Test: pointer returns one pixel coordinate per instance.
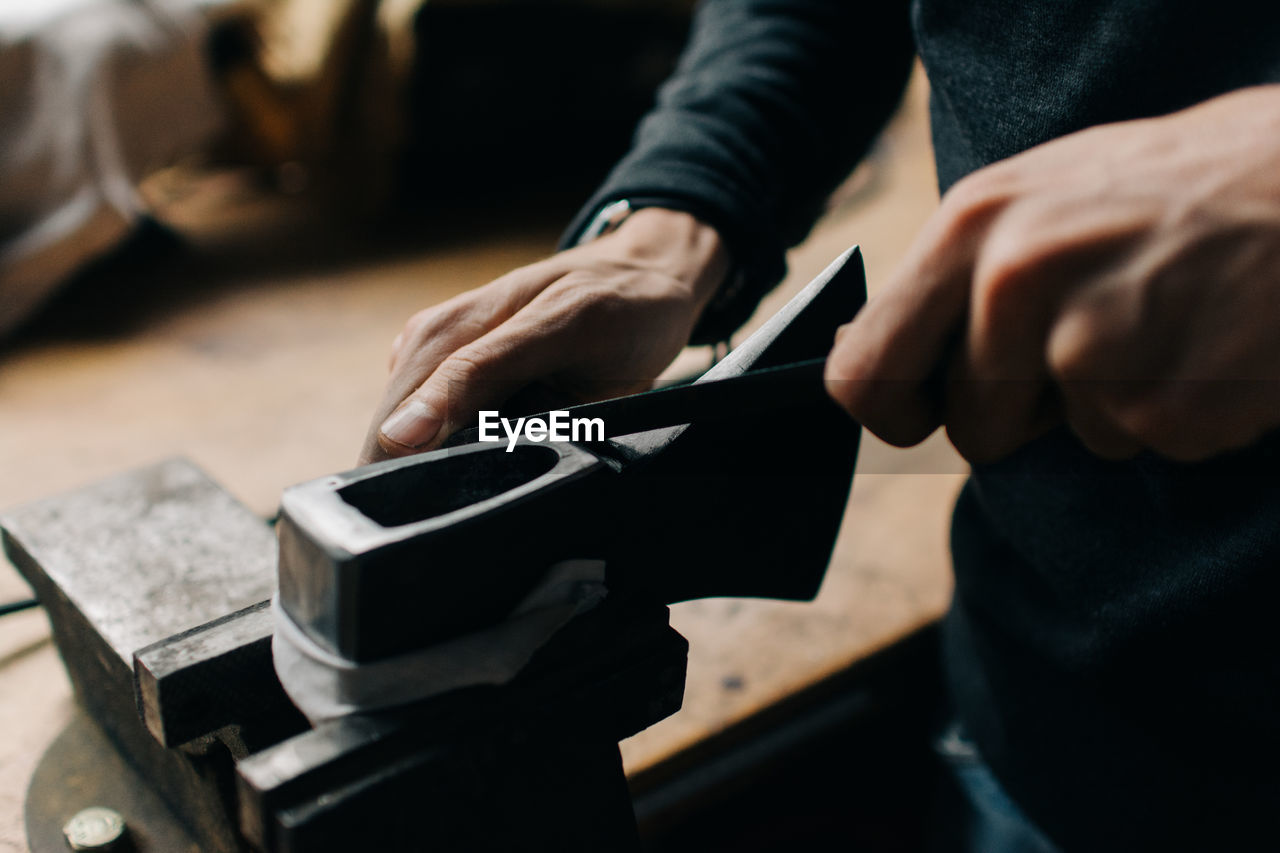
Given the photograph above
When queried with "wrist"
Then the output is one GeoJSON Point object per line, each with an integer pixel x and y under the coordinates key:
{"type": "Point", "coordinates": [678, 244]}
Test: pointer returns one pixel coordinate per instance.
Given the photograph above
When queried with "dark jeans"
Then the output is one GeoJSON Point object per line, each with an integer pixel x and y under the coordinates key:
{"type": "Point", "coordinates": [989, 821]}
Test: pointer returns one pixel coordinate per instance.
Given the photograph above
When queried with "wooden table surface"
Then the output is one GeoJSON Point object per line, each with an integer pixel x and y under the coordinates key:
{"type": "Point", "coordinates": [262, 364]}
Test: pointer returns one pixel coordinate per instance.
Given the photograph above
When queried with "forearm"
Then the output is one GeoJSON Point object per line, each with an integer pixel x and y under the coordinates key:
{"type": "Point", "coordinates": [772, 105]}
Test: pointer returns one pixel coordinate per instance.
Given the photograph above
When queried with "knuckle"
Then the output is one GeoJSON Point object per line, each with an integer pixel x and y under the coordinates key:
{"type": "Point", "coordinates": [459, 318]}
{"type": "Point", "coordinates": [415, 324]}
{"type": "Point", "coordinates": [975, 197]}
{"type": "Point", "coordinates": [1003, 275]}
{"type": "Point", "coordinates": [1017, 252]}
{"type": "Point", "coordinates": [1074, 351]}
{"type": "Point", "coordinates": [453, 383]}
{"type": "Point", "coordinates": [428, 322]}
{"type": "Point", "coordinates": [974, 191]}
{"type": "Point", "coordinates": [462, 368]}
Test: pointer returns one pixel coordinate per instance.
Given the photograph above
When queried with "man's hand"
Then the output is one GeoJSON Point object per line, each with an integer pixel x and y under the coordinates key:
{"type": "Point", "coordinates": [1125, 279]}
{"type": "Point", "coordinates": [592, 322]}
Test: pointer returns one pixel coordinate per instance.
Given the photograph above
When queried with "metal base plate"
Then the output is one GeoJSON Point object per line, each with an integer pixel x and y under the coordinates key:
{"type": "Point", "coordinates": [81, 768]}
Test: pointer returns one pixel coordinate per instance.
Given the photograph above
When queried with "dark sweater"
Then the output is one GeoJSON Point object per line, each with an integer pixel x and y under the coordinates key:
{"type": "Point", "coordinates": [1111, 646]}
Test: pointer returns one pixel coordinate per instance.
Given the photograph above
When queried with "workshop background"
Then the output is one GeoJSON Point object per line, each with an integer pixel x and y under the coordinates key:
{"type": "Point", "coordinates": [302, 176]}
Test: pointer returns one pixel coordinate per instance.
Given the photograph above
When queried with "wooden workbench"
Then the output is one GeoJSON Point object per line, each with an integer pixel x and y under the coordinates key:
{"type": "Point", "coordinates": [261, 352]}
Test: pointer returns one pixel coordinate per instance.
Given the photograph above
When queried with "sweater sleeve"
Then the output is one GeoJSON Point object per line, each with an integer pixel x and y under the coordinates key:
{"type": "Point", "coordinates": [771, 106]}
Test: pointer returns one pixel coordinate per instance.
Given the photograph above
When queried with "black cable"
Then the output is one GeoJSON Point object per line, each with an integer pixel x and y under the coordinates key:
{"type": "Point", "coordinates": [18, 606]}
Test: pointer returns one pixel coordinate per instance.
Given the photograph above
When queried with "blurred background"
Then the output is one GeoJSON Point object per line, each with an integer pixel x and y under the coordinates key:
{"type": "Point", "coordinates": [360, 111]}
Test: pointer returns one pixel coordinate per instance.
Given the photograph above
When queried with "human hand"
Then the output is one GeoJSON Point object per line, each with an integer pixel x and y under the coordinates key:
{"type": "Point", "coordinates": [592, 322]}
{"type": "Point", "coordinates": [1124, 279]}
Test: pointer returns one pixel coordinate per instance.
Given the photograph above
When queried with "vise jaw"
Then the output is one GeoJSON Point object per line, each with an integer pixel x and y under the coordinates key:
{"type": "Point", "coordinates": [141, 576]}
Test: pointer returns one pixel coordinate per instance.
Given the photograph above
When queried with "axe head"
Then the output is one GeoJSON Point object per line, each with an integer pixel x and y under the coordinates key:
{"type": "Point", "coordinates": [397, 555]}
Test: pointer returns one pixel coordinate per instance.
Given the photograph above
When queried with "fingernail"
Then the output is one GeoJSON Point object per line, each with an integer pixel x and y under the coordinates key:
{"type": "Point", "coordinates": [412, 425]}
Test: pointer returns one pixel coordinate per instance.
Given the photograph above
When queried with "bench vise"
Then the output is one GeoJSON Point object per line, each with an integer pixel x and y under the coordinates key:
{"type": "Point", "coordinates": [158, 586]}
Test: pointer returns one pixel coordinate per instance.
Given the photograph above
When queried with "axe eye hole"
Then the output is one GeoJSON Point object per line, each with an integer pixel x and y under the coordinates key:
{"type": "Point", "coordinates": [447, 483]}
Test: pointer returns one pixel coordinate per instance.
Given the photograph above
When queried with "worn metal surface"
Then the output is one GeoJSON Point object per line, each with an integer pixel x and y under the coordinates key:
{"type": "Point", "coordinates": [83, 768]}
{"type": "Point", "coordinates": [147, 554]}
{"type": "Point", "coordinates": [395, 556]}
{"type": "Point", "coordinates": [218, 675]}
{"type": "Point", "coordinates": [125, 563]}
{"type": "Point", "coordinates": [379, 554]}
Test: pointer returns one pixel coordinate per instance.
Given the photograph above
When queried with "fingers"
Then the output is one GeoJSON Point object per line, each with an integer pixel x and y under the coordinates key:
{"type": "Point", "coordinates": [958, 337]}
{"type": "Point", "coordinates": [1143, 322]}
{"type": "Point", "coordinates": [887, 364]}
{"type": "Point", "coordinates": [551, 333]}
{"type": "Point", "coordinates": [465, 382]}
{"type": "Point", "coordinates": [431, 336]}
{"type": "Point", "coordinates": [998, 395]}
{"type": "Point", "coordinates": [421, 348]}
{"type": "Point", "coordinates": [480, 375]}
{"type": "Point", "coordinates": [881, 366]}
{"type": "Point", "coordinates": [592, 322]}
